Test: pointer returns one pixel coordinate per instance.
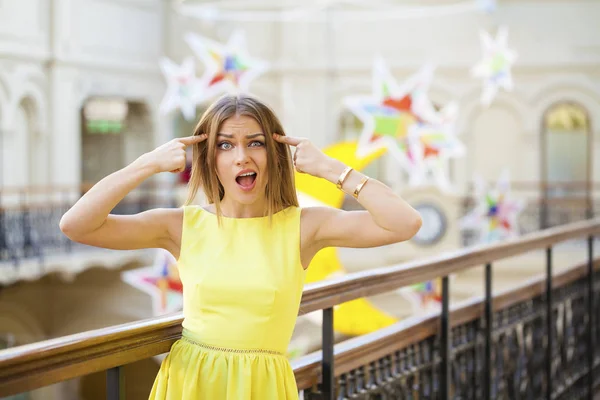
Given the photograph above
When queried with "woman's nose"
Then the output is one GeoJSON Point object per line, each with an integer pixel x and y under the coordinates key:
{"type": "Point", "coordinates": [241, 155]}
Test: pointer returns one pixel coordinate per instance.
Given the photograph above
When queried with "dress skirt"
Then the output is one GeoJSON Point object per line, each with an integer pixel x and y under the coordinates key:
{"type": "Point", "coordinates": [193, 370]}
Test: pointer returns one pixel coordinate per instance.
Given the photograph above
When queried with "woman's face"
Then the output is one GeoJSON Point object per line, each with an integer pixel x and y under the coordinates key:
{"type": "Point", "coordinates": [241, 159]}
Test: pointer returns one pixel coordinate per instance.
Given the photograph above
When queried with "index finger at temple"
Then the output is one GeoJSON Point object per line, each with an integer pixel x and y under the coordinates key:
{"type": "Point", "coordinates": [292, 141]}
{"type": "Point", "coordinates": [193, 139]}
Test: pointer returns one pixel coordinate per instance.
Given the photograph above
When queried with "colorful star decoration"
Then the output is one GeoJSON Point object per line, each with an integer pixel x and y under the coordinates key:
{"type": "Point", "coordinates": [423, 297]}
{"type": "Point", "coordinates": [405, 121]}
{"type": "Point", "coordinates": [184, 90]}
{"type": "Point", "coordinates": [495, 214]}
{"type": "Point", "coordinates": [429, 292]}
{"type": "Point", "coordinates": [229, 68]}
{"type": "Point", "coordinates": [161, 281]}
{"type": "Point", "coordinates": [432, 145]}
{"type": "Point", "coordinates": [495, 66]}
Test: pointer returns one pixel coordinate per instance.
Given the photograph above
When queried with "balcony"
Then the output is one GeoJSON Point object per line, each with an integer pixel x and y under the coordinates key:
{"type": "Point", "coordinates": [535, 340]}
{"type": "Point", "coordinates": [32, 245]}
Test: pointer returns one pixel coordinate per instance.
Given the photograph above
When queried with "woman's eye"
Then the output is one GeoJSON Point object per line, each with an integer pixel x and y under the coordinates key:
{"type": "Point", "coordinates": [256, 143]}
{"type": "Point", "coordinates": [225, 145]}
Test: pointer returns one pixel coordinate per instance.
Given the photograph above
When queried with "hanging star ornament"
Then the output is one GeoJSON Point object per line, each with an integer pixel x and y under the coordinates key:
{"type": "Point", "coordinates": [496, 213]}
{"type": "Point", "coordinates": [161, 281]}
{"type": "Point", "coordinates": [432, 145]}
{"type": "Point", "coordinates": [389, 114]}
{"type": "Point", "coordinates": [228, 68]}
{"type": "Point", "coordinates": [428, 291]}
{"type": "Point", "coordinates": [402, 119]}
{"type": "Point", "coordinates": [423, 297]}
{"type": "Point", "coordinates": [184, 89]}
{"type": "Point", "coordinates": [495, 66]}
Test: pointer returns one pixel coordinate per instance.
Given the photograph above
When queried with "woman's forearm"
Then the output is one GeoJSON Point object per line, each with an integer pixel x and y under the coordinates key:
{"type": "Point", "coordinates": [91, 210]}
{"type": "Point", "coordinates": [387, 209]}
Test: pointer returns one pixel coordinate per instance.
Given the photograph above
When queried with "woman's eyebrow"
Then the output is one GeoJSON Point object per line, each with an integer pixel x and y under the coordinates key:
{"type": "Point", "coordinates": [251, 136]}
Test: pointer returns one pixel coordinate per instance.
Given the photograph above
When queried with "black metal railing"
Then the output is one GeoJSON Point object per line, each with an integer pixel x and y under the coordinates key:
{"type": "Point", "coordinates": [535, 341]}
{"type": "Point", "coordinates": [540, 347]}
{"type": "Point", "coordinates": [517, 359]}
{"type": "Point", "coordinates": [29, 223]}
{"type": "Point", "coordinates": [410, 373]}
{"type": "Point", "coordinates": [29, 217]}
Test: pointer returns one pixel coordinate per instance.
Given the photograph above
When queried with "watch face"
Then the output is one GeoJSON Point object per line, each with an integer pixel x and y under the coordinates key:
{"type": "Point", "coordinates": [434, 224]}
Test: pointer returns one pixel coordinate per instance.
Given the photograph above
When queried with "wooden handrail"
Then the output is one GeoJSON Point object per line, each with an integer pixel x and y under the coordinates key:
{"type": "Point", "coordinates": [328, 293]}
{"type": "Point", "coordinates": [39, 364]}
{"type": "Point", "coordinates": [362, 350]}
{"type": "Point", "coordinates": [35, 365]}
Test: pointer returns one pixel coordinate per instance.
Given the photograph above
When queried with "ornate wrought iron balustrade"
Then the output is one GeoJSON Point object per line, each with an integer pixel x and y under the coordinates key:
{"type": "Point", "coordinates": [531, 342]}
{"type": "Point", "coordinates": [29, 217]}
{"type": "Point", "coordinates": [29, 223]}
{"type": "Point", "coordinates": [519, 364]}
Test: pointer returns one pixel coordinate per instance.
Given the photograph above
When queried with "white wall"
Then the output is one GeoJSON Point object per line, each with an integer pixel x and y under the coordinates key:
{"type": "Point", "coordinates": [57, 57]}
{"type": "Point", "coordinates": [559, 58]}
{"type": "Point", "coordinates": [24, 29]}
{"type": "Point", "coordinates": [124, 34]}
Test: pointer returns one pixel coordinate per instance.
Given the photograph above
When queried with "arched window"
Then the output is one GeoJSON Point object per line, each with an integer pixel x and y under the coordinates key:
{"type": "Point", "coordinates": [566, 157]}
{"type": "Point", "coordinates": [37, 146]}
{"type": "Point", "coordinates": [566, 148]}
{"type": "Point", "coordinates": [103, 121]}
{"type": "Point", "coordinates": [16, 153]}
{"type": "Point", "coordinates": [115, 132]}
{"type": "Point", "coordinates": [3, 162]}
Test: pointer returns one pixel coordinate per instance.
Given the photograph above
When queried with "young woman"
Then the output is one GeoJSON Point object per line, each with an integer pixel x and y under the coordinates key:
{"type": "Point", "coordinates": [242, 258]}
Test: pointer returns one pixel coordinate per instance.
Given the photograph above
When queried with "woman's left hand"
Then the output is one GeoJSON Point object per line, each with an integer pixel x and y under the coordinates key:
{"type": "Point", "coordinates": [308, 158]}
{"type": "Point", "coordinates": [387, 218]}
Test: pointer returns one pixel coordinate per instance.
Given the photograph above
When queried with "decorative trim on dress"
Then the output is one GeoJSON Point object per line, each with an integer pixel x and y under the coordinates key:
{"type": "Point", "coordinates": [230, 350]}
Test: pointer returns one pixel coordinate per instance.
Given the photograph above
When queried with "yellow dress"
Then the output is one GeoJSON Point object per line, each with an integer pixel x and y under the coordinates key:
{"type": "Point", "coordinates": [242, 285]}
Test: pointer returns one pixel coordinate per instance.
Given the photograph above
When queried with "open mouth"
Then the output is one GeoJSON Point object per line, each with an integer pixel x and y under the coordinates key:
{"type": "Point", "coordinates": [246, 180]}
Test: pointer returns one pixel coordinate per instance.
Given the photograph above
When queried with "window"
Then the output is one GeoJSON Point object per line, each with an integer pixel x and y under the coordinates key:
{"type": "Point", "coordinates": [105, 115]}
{"type": "Point", "coordinates": [566, 150]}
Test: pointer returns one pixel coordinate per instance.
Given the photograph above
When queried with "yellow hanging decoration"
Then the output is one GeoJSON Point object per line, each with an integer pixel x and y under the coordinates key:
{"type": "Point", "coordinates": [357, 317]}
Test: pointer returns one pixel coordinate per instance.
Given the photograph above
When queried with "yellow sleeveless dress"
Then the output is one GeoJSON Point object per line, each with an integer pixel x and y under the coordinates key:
{"type": "Point", "coordinates": [242, 285]}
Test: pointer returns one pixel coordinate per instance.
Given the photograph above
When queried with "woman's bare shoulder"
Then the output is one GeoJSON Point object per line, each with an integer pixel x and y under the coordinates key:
{"type": "Point", "coordinates": [173, 217]}
{"type": "Point", "coordinates": [311, 218]}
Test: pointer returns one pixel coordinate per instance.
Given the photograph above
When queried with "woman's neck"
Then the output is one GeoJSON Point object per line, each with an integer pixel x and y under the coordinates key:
{"type": "Point", "coordinates": [235, 209]}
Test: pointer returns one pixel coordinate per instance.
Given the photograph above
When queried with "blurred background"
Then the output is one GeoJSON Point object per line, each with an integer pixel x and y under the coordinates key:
{"type": "Point", "coordinates": [481, 114]}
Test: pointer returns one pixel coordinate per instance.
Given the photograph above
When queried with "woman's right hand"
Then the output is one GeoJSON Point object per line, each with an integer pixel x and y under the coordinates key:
{"type": "Point", "coordinates": [89, 221]}
{"type": "Point", "coordinates": [171, 156]}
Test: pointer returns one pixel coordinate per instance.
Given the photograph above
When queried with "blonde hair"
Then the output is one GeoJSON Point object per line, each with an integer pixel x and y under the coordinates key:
{"type": "Point", "coordinates": [280, 191]}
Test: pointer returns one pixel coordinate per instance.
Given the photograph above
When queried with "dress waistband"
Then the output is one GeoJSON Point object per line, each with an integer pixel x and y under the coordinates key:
{"type": "Point", "coordinates": [191, 338]}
